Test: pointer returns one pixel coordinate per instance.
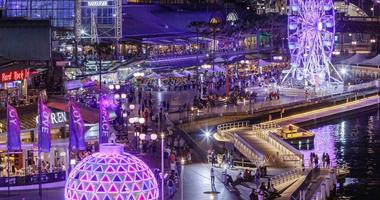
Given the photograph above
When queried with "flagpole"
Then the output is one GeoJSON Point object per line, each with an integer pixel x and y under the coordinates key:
{"type": "Point", "coordinates": [39, 173]}
{"type": "Point", "coordinates": [69, 167]}
{"type": "Point", "coordinates": [9, 184]}
{"type": "Point", "coordinates": [39, 150]}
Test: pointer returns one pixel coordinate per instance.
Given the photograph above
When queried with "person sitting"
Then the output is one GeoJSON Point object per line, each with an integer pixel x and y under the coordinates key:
{"type": "Point", "coordinates": [247, 175]}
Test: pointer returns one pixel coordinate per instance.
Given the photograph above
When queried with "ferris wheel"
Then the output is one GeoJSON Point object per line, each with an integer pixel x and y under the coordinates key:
{"type": "Point", "coordinates": [311, 29]}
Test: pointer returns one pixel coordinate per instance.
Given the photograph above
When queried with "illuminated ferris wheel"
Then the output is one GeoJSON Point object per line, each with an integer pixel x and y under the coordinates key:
{"type": "Point", "coordinates": [311, 29]}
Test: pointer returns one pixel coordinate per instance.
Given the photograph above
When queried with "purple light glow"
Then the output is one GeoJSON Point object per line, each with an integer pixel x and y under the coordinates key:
{"type": "Point", "coordinates": [324, 142]}
{"type": "Point", "coordinates": [111, 174]}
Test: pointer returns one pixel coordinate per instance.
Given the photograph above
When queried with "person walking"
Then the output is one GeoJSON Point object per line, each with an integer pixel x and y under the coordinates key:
{"type": "Point", "coordinates": [212, 176]}
{"type": "Point", "coordinates": [171, 188]}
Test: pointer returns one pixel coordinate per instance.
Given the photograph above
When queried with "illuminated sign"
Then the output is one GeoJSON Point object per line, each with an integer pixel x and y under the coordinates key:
{"type": "Point", "coordinates": [17, 75]}
{"type": "Point", "coordinates": [97, 3]}
{"type": "Point", "coordinates": [57, 118]}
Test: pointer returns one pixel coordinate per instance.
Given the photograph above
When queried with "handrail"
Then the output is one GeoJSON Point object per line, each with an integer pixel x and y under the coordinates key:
{"type": "Point", "coordinates": [248, 151]}
{"type": "Point", "coordinates": [312, 174]}
{"type": "Point", "coordinates": [286, 149]}
{"type": "Point", "coordinates": [228, 126]}
{"type": "Point", "coordinates": [286, 176]}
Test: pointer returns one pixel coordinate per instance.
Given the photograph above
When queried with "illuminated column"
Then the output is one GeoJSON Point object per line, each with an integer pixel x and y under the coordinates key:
{"type": "Point", "coordinates": [51, 156]}
{"type": "Point", "coordinates": [25, 88]}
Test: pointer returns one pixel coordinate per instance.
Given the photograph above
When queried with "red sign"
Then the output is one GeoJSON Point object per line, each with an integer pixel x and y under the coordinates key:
{"type": "Point", "coordinates": [17, 75]}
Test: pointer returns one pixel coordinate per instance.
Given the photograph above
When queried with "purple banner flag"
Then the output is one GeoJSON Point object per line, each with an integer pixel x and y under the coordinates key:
{"type": "Point", "coordinates": [13, 129]}
{"type": "Point", "coordinates": [44, 127]}
{"type": "Point", "coordinates": [76, 129]}
{"type": "Point", "coordinates": [104, 126]}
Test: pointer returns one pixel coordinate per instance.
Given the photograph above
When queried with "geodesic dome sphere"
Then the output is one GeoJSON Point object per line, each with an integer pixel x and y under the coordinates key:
{"type": "Point", "coordinates": [111, 174]}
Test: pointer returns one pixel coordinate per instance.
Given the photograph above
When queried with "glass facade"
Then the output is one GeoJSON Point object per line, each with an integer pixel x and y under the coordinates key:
{"type": "Point", "coordinates": [61, 12]}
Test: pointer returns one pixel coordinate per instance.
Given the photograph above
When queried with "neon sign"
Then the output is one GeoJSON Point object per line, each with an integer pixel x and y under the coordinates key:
{"type": "Point", "coordinates": [17, 75]}
{"type": "Point", "coordinates": [97, 3]}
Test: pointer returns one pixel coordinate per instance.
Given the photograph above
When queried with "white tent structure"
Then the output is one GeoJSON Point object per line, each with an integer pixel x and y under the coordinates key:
{"type": "Point", "coordinates": [219, 60]}
{"type": "Point", "coordinates": [186, 73]}
{"type": "Point", "coordinates": [263, 63]}
{"type": "Point", "coordinates": [153, 76]}
{"type": "Point", "coordinates": [353, 60]}
{"type": "Point", "coordinates": [175, 75]}
{"type": "Point", "coordinates": [375, 61]}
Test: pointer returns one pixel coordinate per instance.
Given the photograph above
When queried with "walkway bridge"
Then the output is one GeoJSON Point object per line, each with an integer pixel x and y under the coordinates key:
{"type": "Point", "coordinates": [260, 144]}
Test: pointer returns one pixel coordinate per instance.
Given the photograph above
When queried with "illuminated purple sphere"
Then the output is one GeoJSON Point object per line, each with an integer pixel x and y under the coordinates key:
{"type": "Point", "coordinates": [111, 174]}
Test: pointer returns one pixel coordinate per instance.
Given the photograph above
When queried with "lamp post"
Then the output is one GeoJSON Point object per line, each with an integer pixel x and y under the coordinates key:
{"type": "Point", "coordinates": [182, 174]}
{"type": "Point", "coordinates": [206, 67]}
{"type": "Point", "coordinates": [162, 165]}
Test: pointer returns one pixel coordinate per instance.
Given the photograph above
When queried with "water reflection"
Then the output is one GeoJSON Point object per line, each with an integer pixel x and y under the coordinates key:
{"type": "Point", "coordinates": [354, 141]}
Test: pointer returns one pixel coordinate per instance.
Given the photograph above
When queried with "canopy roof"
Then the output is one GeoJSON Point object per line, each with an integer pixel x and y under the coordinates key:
{"type": "Point", "coordinates": [375, 61]}
{"type": "Point", "coordinates": [353, 60]}
{"type": "Point", "coordinates": [263, 63]}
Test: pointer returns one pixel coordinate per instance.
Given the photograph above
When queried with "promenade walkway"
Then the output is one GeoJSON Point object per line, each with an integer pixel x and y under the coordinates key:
{"type": "Point", "coordinates": [328, 111]}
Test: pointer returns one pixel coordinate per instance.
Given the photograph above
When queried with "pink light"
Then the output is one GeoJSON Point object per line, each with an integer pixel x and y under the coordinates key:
{"type": "Point", "coordinates": [111, 171]}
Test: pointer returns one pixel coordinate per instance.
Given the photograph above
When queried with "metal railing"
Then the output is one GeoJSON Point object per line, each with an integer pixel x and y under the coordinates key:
{"type": "Point", "coordinates": [32, 179]}
{"type": "Point", "coordinates": [286, 151]}
{"type": "Point", "coordinates": [286, 177]}
{"type": "Point", "coordinates": [248, 151]}
{"type": "Point", "coordinates": [228, 126]}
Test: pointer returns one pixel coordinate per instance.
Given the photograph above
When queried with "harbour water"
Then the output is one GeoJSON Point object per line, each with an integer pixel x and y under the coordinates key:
{"type": "Point", "coordinates": [353, 141]}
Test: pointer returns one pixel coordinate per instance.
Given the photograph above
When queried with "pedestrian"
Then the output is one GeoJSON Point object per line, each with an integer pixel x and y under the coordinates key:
{"type": "Point", "coordinates": [212, 176]}
{"type": "Point", "coordinates": [170, 187]}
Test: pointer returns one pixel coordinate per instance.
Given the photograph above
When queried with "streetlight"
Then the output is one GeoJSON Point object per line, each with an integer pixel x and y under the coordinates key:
{"type": "Point", "coordinates": [162, 165]}
{"type": "Point", "coordinates": [111, 87]}
{"type": "Point", "coordinates": [117, 86]}
{"type": "Point", "coordinates": [131, 107]}
{"type": "Point", "coordinates": [182, 173]}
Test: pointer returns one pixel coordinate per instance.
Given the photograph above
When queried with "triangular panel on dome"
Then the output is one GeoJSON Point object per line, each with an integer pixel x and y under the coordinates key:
{"type": "Point", "coordinates": [105, 179]}
{"type": "Point", "coordinates": [101, 161]}
{"type": "Point", "coordinates": [77, 175]}
{"type": "Point", "coordinates": [84, 177]}
{"type": "Point", "coordinates": [72, 185]}
{"type": "Point", "coordinates": [75, 196]}
{"type": "Point", "coordinates": [112, 161]}
{"type": "Point", "coordinates": [145, 176]}
{"type": "Point", "coordinates": [128, 178]}
{"type": "Point", "coordinates": [89, 168]}
{"type": "Point", "coordinates": [121, 169]}
{"type": "Point", "coordinates": [124, 162]}
{"type": "Point", "coordinates": [131, 161]}
{"type": "Point", "coordinates": [81, 168]}
{"type": "Point", "coordinates": [80, 187]}
{"type": "Point", "coordinates": [101, 189]}
{"type": "Point", "coordinates": [131, 169]}
{"type": "Point", "coordinates": [107, 198]}
{"type": "Point", "coordinates": [131, 197]}
{"type": "Point", "coordinates": [94, 178]}
{"type": "Point", "coordinates": [119, 197]}
{"type": "Point", "coordinates": [142, 197]}
{"type": "Point", "coordinates": [145, 187]}
{"type": "Point", "coordinates": [113, 189]}
{"type": "Point", "coordinates": [95, 197]}
{"type": "Point", "coordinates": [116, 179]}
{"type": "Point", "coordinates": [90, 188]}
{"type": "Point", "coordinates": [125, 189]}
{"type": "Point", "coordinates": [84, 197]}
{"type": "Point", "coordinates": [137, 177]}
{"type": "Point", "coordinates": [136, 188]}
{"type": "Point", "coordinates": [68, 194]}
{"type": "Point", "coordinates": [99, 169]}
{"type": "Point", "coordinates": [110, 169]}
{"type": "Point", "coordinates": [150, 196]}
